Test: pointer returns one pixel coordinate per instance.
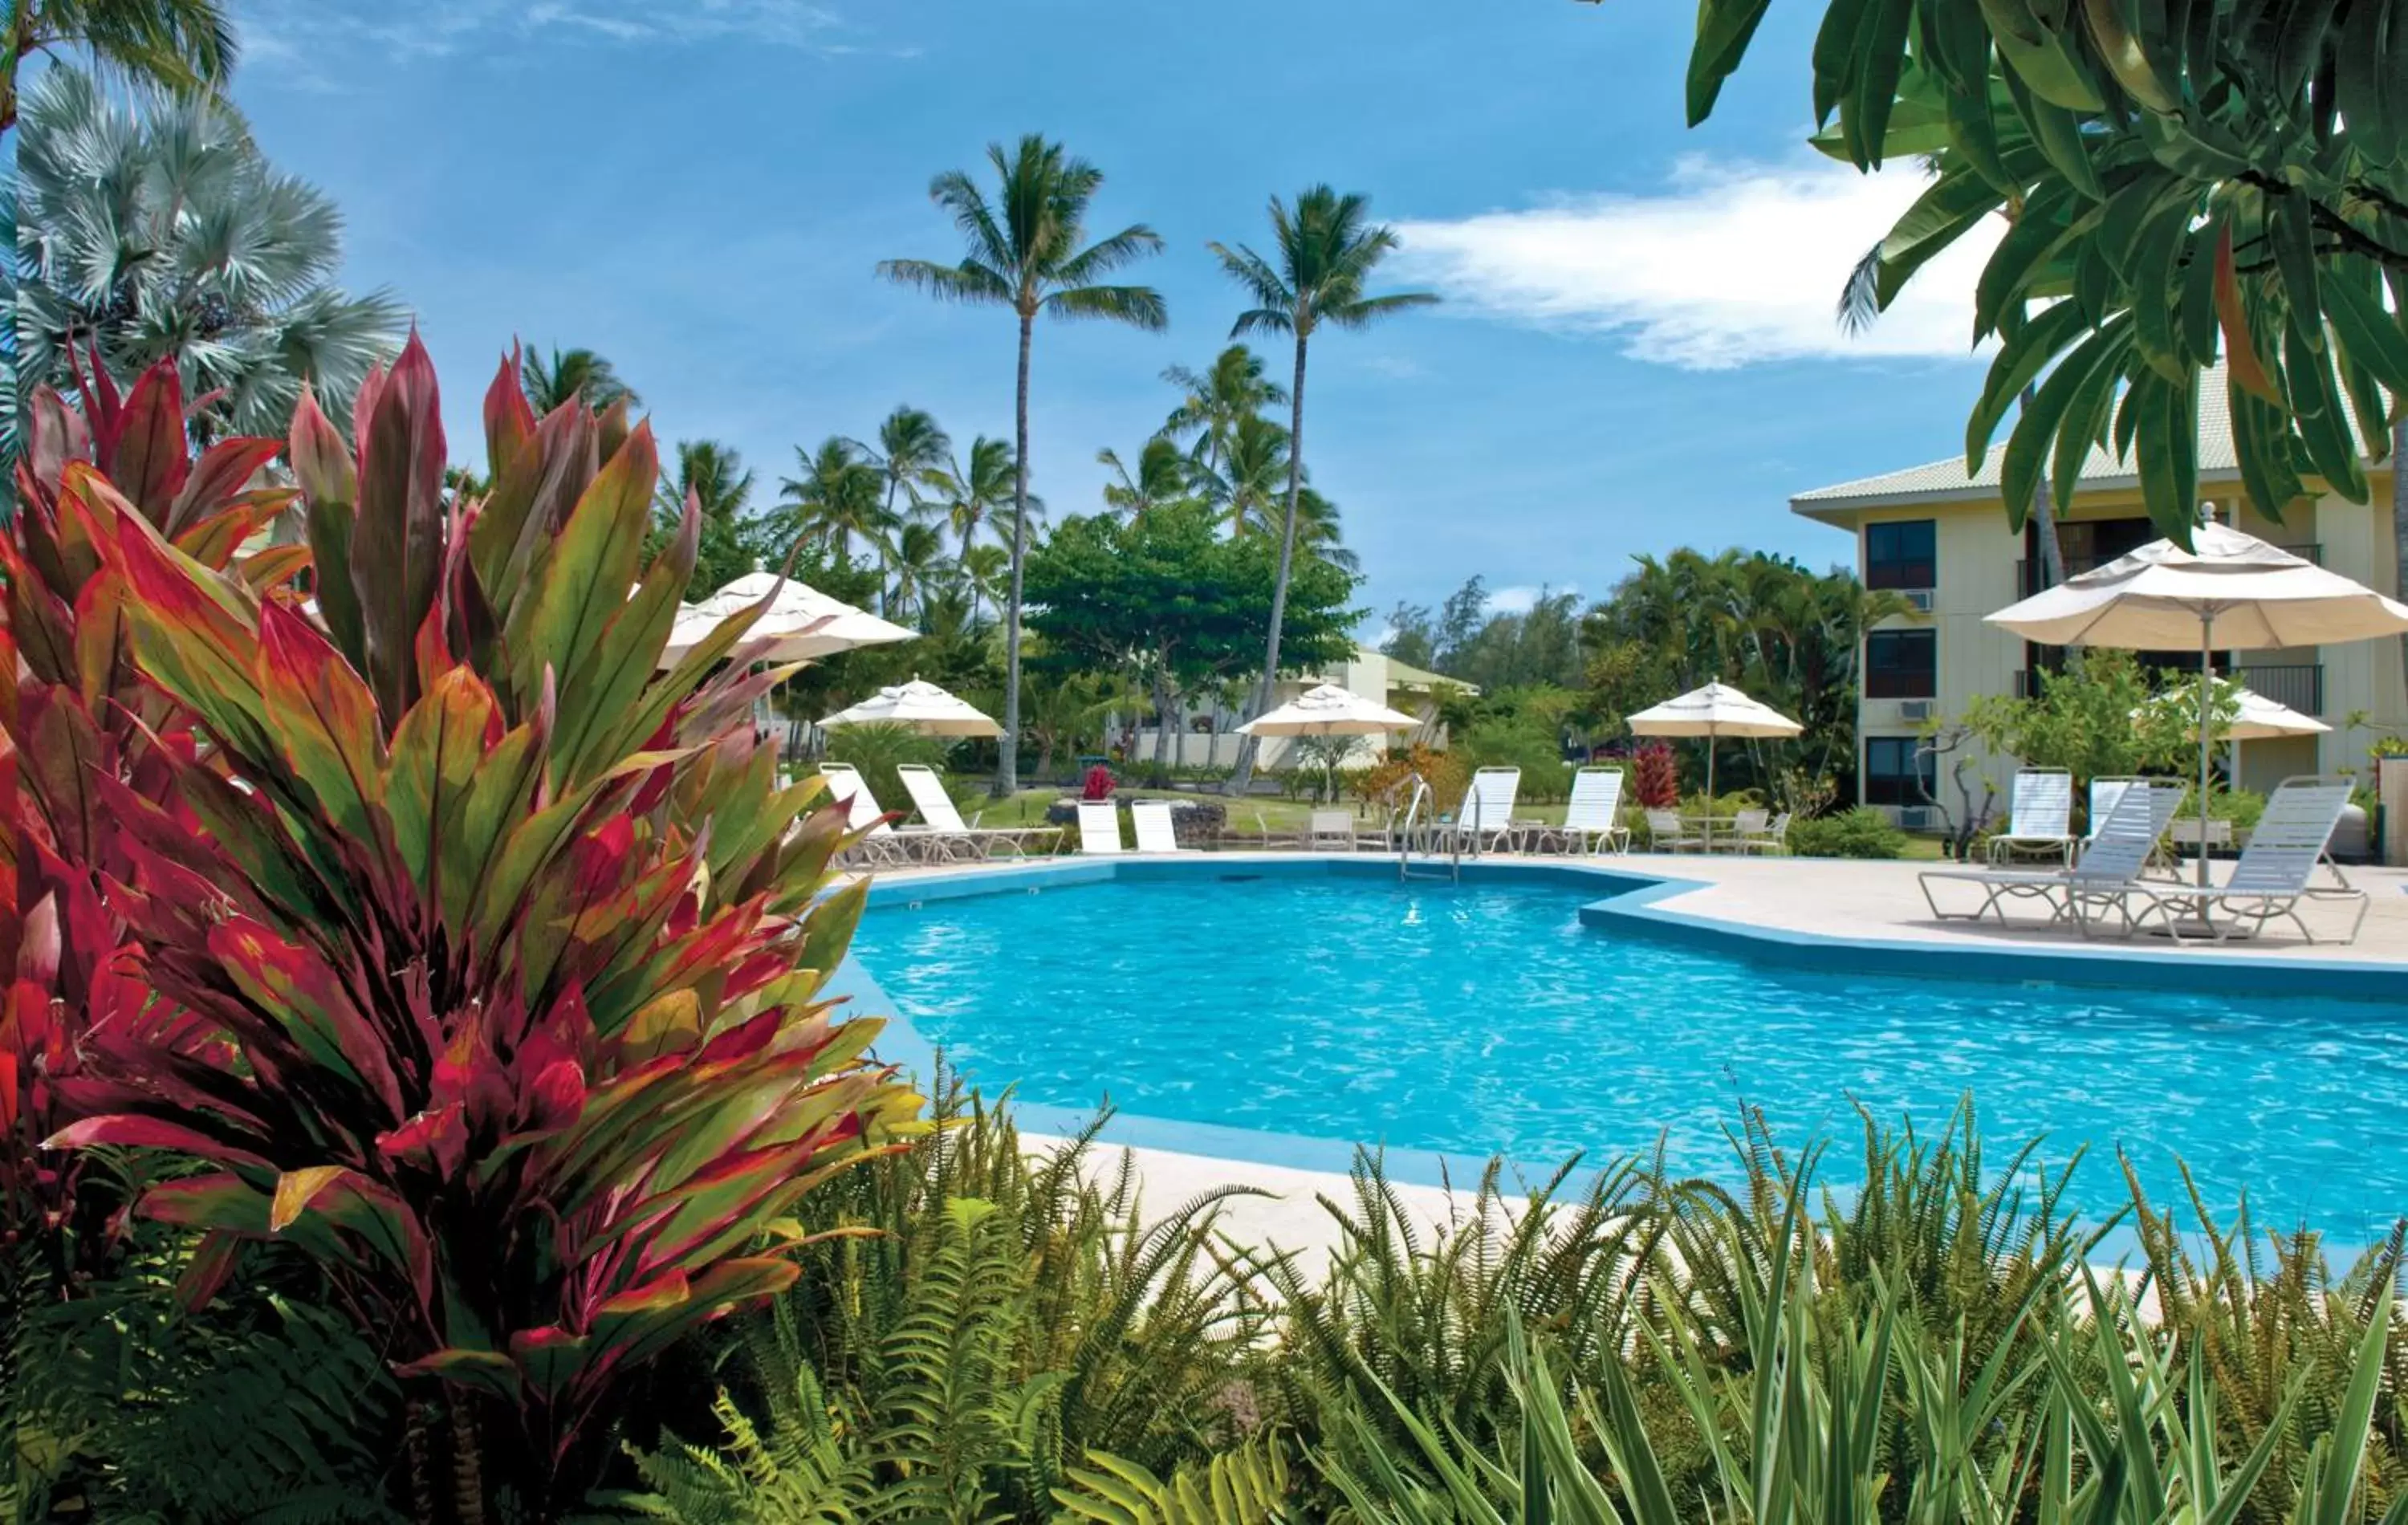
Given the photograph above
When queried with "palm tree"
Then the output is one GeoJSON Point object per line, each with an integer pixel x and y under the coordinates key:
{"type": "Point", "coordinates": [1318, 533]}
{"type": "Point", "coordinates": [1248, 487]}
{"type": "Point", "coordinates": [1025, 252]}
{"type": "Point", "coordinates": [1232, 388]}
{"type": "Point", "coordinates": [181, 47]}
{"type": "Point", "coordinates": [835, 499]}
{"type": "Point", "coordinates": [164, 233]}
{"type": "Point", "coordinates": [918, 564]}
{"type": "Point", "coordinates": [574, 373]}
{"type": "Point", "coordinates": [714, 475]}
{"type": "Point", "coordinates": [910, 450]}
{"type": "Point", "coordinates": [972, 495]}
{"type": "Point", "coordinates": [1164, 476]}
{"type": "Point", "coordinates": [1326, 250]}
{"type": "Point", "coordinates": [983, 570]}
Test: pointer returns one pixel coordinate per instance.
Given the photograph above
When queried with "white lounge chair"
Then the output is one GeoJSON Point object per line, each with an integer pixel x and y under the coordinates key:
{"type": "Point", "coordinates": [1667, 832]}
{"type": "Point", "coordinates": [1099, 827]}
{"type": "Point", "coordinates": [944, 824]}
{"type": "Point", "coordinates": [2111, 862]}
{"type": "Point", "coordinates": [1156, 831]}
{"type": "Point", "coordinates": [2040, 821]}
{"type": "Point", "coordinates": [1485, 821]}
{"type": "Point", "coordinates": [1331, 831]}
{"type": "Point", "coordinates": [1773, 837]}
{"type": "Point", "coordinates": [2268, 882]}
{"type": "Point", "coordinates": [884, 843]}
{"type": "Point", "coordinates": [1593, 820]}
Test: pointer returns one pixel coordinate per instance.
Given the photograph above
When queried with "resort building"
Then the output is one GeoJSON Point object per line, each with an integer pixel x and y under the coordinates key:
{"type": "Point", "coordinates": [1940, 537]}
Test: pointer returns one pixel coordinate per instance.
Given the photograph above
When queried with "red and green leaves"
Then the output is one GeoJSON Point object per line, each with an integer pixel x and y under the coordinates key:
{"type": "Point", "coordinates": [477, 958]}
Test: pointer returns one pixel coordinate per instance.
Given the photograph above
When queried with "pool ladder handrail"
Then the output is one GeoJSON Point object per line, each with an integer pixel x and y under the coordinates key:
{"type": "Point", "coordinates": [1413, 831]}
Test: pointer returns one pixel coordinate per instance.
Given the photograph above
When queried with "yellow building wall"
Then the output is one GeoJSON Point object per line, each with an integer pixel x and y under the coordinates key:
{"type": "Point", "coordinates": [1977, 556]}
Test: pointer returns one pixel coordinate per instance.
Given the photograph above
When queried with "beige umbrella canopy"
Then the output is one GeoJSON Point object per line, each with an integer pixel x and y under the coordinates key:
{"type": "Point", "coordinates": [1329, 710]}
{"type": "Point", "coordinates": [2229, 589]}
{"type": "Point", "coordinates": [804, 622]}
{"type": "Point", "coordinates": [2257, 719]}
{"type": "Point", "coordinates": [1713, 712]}
{"type": "Point", "coordinates": [918, 706]}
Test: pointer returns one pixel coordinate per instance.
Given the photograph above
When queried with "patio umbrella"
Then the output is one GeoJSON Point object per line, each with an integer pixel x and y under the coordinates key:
{"type": "Point", "coordinates": [2258, 718]}
{"type": "Point", "coordinates": [918, 706]}
{"type": "Point", "coordinates": [805, 622]}
{"type": "Point", "coordinates": [1329, 710]}
{"type": "Point", "coordinates": [1713, 712]}
{"type": "Point", "coordinates": [2229, 589]}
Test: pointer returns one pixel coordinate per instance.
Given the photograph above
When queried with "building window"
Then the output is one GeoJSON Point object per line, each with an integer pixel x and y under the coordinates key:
{"type": "Point", "coordinates": [1898, 771]}
{"type": "Point", "coordinates": [1900, 555]}
{"type": "Point", "coordinates": [1902, 665]}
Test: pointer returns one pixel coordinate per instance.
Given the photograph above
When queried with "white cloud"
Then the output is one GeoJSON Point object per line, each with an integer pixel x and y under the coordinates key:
{"type": "Point", "coordinates": [1731, 264]}
{"type": "Point", "coordinates": [1523, 597]}
{"type": "Point", "coordinates": [286, 31]}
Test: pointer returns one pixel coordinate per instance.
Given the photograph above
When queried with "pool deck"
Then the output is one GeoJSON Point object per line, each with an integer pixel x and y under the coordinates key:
{"type": "Point", "coordinates": [1832, 914]}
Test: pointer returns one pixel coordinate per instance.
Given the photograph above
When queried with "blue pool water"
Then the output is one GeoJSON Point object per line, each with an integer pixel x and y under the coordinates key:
{"type": "Point", "coordinates": [1477, 1019]}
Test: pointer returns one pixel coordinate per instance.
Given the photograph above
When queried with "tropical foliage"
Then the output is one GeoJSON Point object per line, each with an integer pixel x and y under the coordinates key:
{"type": "Point", "coordinates": [185, 46]}
{"type": "Point", "coordinates": [2184, 184]}
{"type": "Point", "coordinates": [162, 233]}
{"type": "Point", "coordinates": [455, 952]}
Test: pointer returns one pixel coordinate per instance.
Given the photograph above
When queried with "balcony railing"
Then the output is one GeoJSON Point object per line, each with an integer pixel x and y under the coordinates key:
{"type": "Point", "coordinates": [2028, 572]}
{"type": "Point", "coordinates": [2298, 684]}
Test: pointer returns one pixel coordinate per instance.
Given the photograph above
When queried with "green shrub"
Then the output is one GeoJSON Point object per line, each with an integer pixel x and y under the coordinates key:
{"type": "Point", "coordinates": [1861, 832]}
{"type": "Point", "coordinates": [876, 751]}
{"type": "Point", "coordinates": [1526, 745]}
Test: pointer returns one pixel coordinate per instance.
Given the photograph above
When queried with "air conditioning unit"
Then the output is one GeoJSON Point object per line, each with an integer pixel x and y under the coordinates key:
{"type": "Point", "coordinates": [1918, 710]}
{"type": "Point", "coordinates": [1919, 600]}
{"type": "Point", "coordinates": [1917, 818]}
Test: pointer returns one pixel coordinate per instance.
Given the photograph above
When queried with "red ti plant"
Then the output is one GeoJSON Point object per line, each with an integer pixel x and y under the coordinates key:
{"type": "Point", "coordinates": [74, 712]}
{"type": "Point", "coordinates": [1654, 776]}
{"type": "Point", "coordinates": [1098, 783]}
{"type": "Point", "coordinates": [497, 951]}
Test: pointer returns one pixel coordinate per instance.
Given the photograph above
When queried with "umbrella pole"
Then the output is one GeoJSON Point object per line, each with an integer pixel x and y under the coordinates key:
{"type": "Point", "coordinates": [2206, 732]}
{"type": "Point", "coordinates": [1710, 788]}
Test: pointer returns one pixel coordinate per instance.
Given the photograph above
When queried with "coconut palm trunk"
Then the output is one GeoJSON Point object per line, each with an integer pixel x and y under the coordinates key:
{"type": "Point", "coordinates": [1245, 774]}
{"type": "Point", "coordinates": [1007, 766]}
{"type": "Point", "coordinates": [2400, 521]}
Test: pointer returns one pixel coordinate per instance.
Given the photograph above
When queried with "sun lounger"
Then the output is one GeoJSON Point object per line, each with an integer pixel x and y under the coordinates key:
{"type": "Point", "coordinates": [2039, 822]}
{"type": "Point", "coordinates": [944, 824]}
{"type": "Point", "coordinates": [1099, 827]}
{"type": "Point", "coordinates": [1485, 819]}
{"type": "Point", "coordinates": [1156, 831]}
{"type": "Point", "coordinates": [883, 843]}
{"type": "Point", "coordinates": [1593, 820]}
{"type": "Point", "coordinates": [2111, 861]}
{"type": "Point", "coordinates": [2268, 882]}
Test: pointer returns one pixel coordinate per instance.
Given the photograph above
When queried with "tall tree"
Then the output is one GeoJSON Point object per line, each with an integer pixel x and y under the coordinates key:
{"type": "Point", "coordinates": [916, 566]}
{"type": "Point", "coordinates": [1164, 476]}
{"type": "Point", "coordinates": [713, 475]}
{"type": "Point", "coordinates": [909, 453]}
{"type": "Point", "coordinates": [1326, 249]}
{"type": "Point", "coordinates": [181, 47]}
{"type": "Point", "coordinates": [1215, 398]}
{"type": "Point", "coordinates": [1028, 250]}
{"type": "Point", "coordinates": [574, 373]}
{"type": "Point", "coordinates": [833, 501]}
{"type": "Point", "coordinates": [163, 232]}
{"type": "Point", "coordinates": [1250, 484]}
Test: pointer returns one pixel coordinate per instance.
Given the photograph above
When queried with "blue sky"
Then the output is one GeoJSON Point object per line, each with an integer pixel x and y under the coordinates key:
{"type": "Point", "coordinates": [1636, 351]}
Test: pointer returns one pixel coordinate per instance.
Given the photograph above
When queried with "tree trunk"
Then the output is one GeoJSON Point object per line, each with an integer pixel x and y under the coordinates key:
{"type": "Point", "coordinates": [882, 550]}
{"type": "Point", "coordinates": [1244, 774]}
{"type": "Point", "coordinates": [1162, 697]}
{"type": "Point", "coordinates": [1007, 765]}
{"type": "Point", "coordinates": [2052, 554]}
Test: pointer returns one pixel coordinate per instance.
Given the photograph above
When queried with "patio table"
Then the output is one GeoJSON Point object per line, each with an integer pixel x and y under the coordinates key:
{"type": "Point", "coordinates": [1704, 826]}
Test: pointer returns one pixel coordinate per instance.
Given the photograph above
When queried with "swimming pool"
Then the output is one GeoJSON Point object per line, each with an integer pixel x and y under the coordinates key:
{"type": "Point", "coordinates": [1487, 1017]}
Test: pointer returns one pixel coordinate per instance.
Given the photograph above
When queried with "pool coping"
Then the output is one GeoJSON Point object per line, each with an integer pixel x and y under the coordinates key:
{"type": "Point", "coordinates": [1633, 902]}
